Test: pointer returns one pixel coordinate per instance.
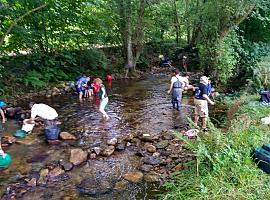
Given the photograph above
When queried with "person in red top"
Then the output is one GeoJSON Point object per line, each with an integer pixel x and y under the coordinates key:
{"type": "Point", "coordinates": [95, 88]}
{"type": "Point", "coordinates": [109, 77]}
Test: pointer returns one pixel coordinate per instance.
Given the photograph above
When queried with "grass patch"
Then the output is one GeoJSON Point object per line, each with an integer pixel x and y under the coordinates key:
{"type": "Point", "coordinates": [224, 168]}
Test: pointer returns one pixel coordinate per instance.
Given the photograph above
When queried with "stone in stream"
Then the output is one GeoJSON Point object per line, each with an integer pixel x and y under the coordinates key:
{"type": "Point", "coordinates": [151, 177]}
{"type": "Point", "coordinates": [120, 146]}
{"type": "Point", "coordinates": [108, 151]}
{"type": "Point", "coordinates": [146, 168]}
{"type": "Point", "coordinates": [147, 137]}
{"type": "Point", "coordinates": [77, 156]}
{"type": "Point", "coordinates": [162, 144]}
{"type": "Point", "coordinates": [152, 160]}
{"type": "Point", "coordinates": [94, 187]}
{"type": "Point", "coordinates": [150, 148]}
{"type": "Point", "coordinates": [43, 176]}
{"type": "Point", "coordinates": [93, 156]}
{"type": "Point", "coordinates": [67, 136]}
{"type": "Point", "coordinates": [121, 185]}
{"type": "Point", "coordinates": [134, 177]}
{"type": "Point", "coordinates": [66, 165]}
{"type": "Point", "coordinates": [97, 150]}
{"type": "Point", "coordinates": [31, 182]}
{"type": "Point", "coordinates": [112, 141]}
{"type": "Point", "coordinates": [56, 172]}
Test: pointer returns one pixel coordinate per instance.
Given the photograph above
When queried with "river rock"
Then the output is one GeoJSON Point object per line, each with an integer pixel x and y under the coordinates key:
{"type": "Point", "coordinates": [56, 172]}
{"type": "Point", "coordinates": [43, 176]}
{"type": "Point", "coordinates": [112, 141]}
{"type": "Point", "coordinates": [136, 141]}
{"type": "Point", "coordinates": [94, 187]}
{"type": "Point", "coordinates": [134, 177]}
{"type": "Point", "coordinates": [31, 182]}
{"type": "Point", "coordinates": [108, 151]}
{"type": "Point", "coordinates": [147, 137]}
{"type": "Point", "coordinates": [77, 156]}
{"type": "Point", "coordinates": [151, 177]}
{"type": "Point", "coordinates": [150, 148]}
{"type": "Point", "coordinates": [8, 140]}
{"type": "Point", "coordinates": [146, 168]}
{"type": "Point", "coordinates": [152, 160]}
{"type": "Point", "coordinates": [121, 186]}
{"type": "Point", "coordinates": [66, 165]}
{"type": "Point", "coordinates": [97, 150]}
{"type": "Point", "coordinates": [67, 136]}
{"type": "Point", "coordinates": [93, 156]}
{"type": "Point", "coordinates": [156, 154]}
{"type": "Point", "coordinates": [162, 144]}
{"type": "Point", "coordinates": [120, 147]}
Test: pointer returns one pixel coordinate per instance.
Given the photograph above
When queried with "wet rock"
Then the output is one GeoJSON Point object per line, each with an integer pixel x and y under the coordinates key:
{"type": "Point", "coordinates": [151, 177]}
{"type": "Point", "coordinates": [152, 160]}
{"type": "Point", "coordinates": [53, 142]}
{"type": "Point", "coordinates": [136, 141]}
{"type": "Point", "coordinates": [147, 137]}
{"type": "Point", "coordinates": [108, 151]}
{"type": "Point", "coordinates": [56, 172]}
{"type": "Point", "coordinates": [43, 176]}
{"type": "Point", "coordinates": [120, 147]}
{"type": "Point", "coordinates": [128, 144]}
{"type": "Point", "coordinates": [94, 187]}
{"type": "Point", "coordinates": [7, 140]}
{"type": "Point", "coordinates": [156, 154]}
{"type": "Point", "coordinates": [146, 168]}
{"type": "Point", "coordinates": [67, 198]}
{"type": "Point", "coordinates": [128, 137]}
{"type": "Point", "coordinates": [97, 150]}
{"type": "Point", "coordinates": [112, 141]}
{"type": "Point", "coordinates": [67, 136]}
{"type": "Point", "coordinates": [38, 158]}
{"type": "Point", "coordinates": [150, 148]}
{"type": "Point", "coordinates": [167, 135]}
{"type": "Point", "coordinates": [121, 186]}
{"type": "Point", "coordinates": [93, 156]}
{"type": "Point", "coordinates": [162, 144]}
{"type": "Point", "coordinates": [141, 153]}
{"type": "Point", "coordinates": [134, 177]}
{"type": "Point", "coordinates": [66, 165]}
{"type": "Point", "coordinates": [77, 156]}
{"type": "Point", "coordinates": [31, 182]}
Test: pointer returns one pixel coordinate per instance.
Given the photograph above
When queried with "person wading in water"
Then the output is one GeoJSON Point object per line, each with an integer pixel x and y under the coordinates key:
{"type": "Point", "coordinates": [176, 87]}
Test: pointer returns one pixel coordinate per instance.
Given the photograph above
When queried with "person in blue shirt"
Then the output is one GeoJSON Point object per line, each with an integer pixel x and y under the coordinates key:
{"type": "Point", "coordinates": [201, 100]}
{"type": "Point", "coordinates": [81, 85]}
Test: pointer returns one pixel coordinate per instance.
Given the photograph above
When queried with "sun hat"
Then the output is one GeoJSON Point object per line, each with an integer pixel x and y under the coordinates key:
{"type": "Point", "coordinates": [204, 80]}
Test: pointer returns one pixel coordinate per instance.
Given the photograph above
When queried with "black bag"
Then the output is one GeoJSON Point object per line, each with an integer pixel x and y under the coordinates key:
{"type": "Point", "coordinates": [265, 96]}
{"type": "Point", "coordinates": [261, 157]}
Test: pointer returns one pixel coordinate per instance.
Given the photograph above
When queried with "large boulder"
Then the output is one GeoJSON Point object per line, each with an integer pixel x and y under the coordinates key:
{"type": "Point", "coordinates": [77, 156]}
{"type": "Point", "coordinates": [94, 187]}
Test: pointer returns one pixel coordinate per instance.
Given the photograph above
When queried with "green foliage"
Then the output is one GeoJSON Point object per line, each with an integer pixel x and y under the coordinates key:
{"type": "Point", "coordinates": [94, 60]}
{"type": "Point", "coordinates": [33, 79]}
{"type": "Point", "coordinates": [225, 169]}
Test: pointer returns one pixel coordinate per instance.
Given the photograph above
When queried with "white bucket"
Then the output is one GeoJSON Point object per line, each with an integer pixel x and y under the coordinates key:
{"type": "Point", "coordinates": [27, 126]}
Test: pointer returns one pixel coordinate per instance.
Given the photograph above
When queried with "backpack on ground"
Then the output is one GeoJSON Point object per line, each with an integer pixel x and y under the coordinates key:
{"type": "Point", "coordinates": [261, 157]}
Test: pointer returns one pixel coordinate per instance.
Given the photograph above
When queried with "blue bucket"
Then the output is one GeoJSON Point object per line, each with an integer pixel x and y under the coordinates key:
{"type": "Point", "coordinates": [52, 133]}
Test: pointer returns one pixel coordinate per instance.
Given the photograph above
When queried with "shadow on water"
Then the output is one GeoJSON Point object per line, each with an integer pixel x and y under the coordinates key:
{"type": "Point", "coordinates": [134, 105]}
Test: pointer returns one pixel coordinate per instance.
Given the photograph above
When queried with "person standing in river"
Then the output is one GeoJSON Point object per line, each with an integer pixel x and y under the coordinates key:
{"type": "Point", "coordinates": [103, 97]}
{"type": "Point", "coordinates": [3, 121]}
{"type": "Point", "coordinates": [176, 87]}
{"type": "Point", "coordinates": [201, 100]}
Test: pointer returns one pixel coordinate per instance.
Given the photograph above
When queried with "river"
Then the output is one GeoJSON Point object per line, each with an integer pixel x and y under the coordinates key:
{"type": "Point", "coordinates": [134, 105]}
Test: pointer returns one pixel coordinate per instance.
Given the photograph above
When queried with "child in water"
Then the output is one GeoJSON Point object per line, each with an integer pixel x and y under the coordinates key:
{"type": "Point", "coordinates": [103, 97]}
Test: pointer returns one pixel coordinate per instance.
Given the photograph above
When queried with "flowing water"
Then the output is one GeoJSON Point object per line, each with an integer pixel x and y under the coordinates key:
{"type": "Point", "coordinates": [134, 105]}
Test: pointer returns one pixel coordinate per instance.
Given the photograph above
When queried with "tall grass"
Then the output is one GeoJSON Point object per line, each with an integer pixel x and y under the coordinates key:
{"type": "Point", "coordinates": [223, 168]}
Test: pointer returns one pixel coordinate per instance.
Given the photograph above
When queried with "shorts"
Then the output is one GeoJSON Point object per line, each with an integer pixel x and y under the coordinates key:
{"type": "Point", "coordinates": [201, 107]}
{"type": "Point", "coordinates": [103, 103]}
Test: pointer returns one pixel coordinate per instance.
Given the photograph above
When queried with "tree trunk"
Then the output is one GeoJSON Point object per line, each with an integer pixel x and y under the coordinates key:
{"type": "Point", "coordinates": [176, 22]}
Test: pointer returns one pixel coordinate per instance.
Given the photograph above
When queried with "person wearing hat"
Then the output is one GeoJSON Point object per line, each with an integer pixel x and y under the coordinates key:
{"type": "Point", "coordinates": [2, 105]}
{"type": "Point", "coordinates": [201, 101]}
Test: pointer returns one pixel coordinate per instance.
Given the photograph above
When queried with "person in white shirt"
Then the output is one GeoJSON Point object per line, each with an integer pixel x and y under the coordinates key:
{"type": "Point", "coordinates": [47, 113]}
{"type": "Point", "coordinates": [177, 86]}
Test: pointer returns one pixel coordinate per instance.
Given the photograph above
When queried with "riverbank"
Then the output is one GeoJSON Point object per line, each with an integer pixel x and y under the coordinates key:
{"type": "Point", "coordinates": [224, 168]}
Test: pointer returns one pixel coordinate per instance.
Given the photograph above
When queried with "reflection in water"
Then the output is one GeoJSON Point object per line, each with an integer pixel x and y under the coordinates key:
{"type": "Point", "coordinates": [133, 106]}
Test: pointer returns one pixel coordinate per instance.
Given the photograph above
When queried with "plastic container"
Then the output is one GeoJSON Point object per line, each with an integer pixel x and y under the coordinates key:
{"type": "Point", "coordinates": [5, 161]}
{"type": "Point", "coordinates": [52, 133]}
{"type": "Point", "coordinates": [19, 134]}
{"type": "Point", "coordinates": [27, 125]}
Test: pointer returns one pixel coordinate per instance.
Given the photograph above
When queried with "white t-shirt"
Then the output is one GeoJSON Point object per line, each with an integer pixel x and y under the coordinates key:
{"type": "Point", "coordinates": [180, 78]}
{"type": "Point", "coordinates": [44, 111]}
